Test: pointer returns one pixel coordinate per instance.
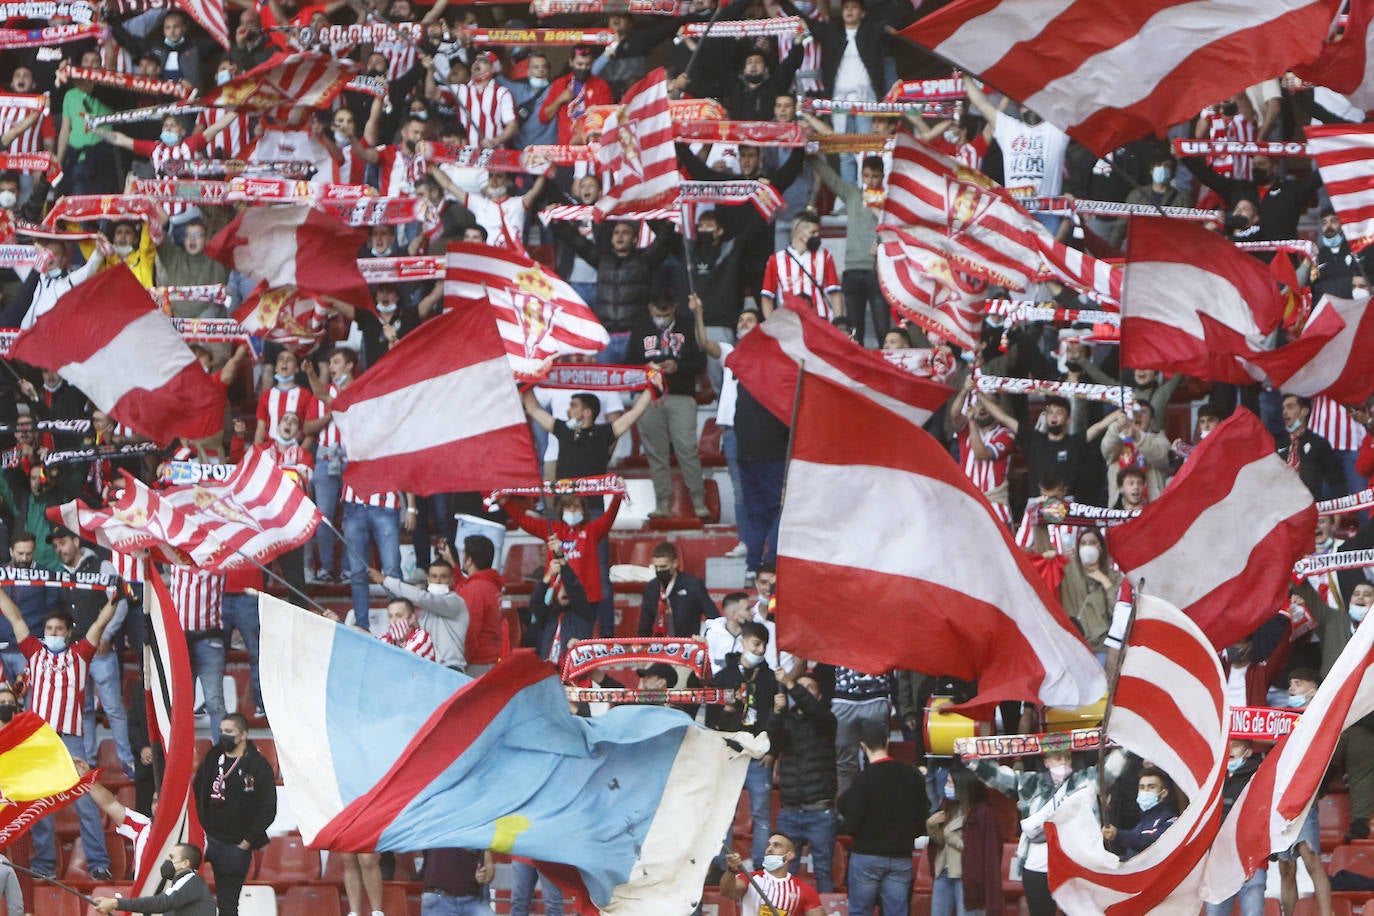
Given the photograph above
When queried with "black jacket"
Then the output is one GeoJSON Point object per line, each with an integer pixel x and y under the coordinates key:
{"type": "Point", "coordinates": [870, 37]}
{"type": "Point", "coordinates": [1280, 207]}
{"type": "Point", "coordinates": [1317, 462]}
{"type": "Point", "coordinates": [688, 604]}
{"type": "Point", "coordinates": [803, 737]}
{"type": "Point", "coordinates": [753, 713]}
{"type": "Point", "coordinates": [248, 803]}
{"type": "Point", "coordinates": [544, 617]}
{"type": "Point", "coordinates": [624, 283]}
{"type": "Point", "coordinates": [885, 809]}
{"type": "Point", "coordinates": [650, 344]}
{"type": "Point", "coordinates": [188, 895]}
{"type": "Point", "coordinates": [189, 62]}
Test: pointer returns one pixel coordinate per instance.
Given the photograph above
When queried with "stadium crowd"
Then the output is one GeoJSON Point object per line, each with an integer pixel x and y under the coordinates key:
{"type": "Point", "coordinates": [678, 304]}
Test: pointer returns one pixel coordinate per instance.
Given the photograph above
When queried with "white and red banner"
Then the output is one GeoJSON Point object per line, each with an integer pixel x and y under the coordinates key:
{"type": "Point", "coordinates": [601, 377]}
{"type": "Point", "coordinates": [746, 28]}
{"type": "Point", "coordinates": [637, 149]}
{"type": "Point", "coordinates": [1271, 811]}
{"type": "Point", "coordinates": [767, 361]}
{"type": "Point", "coordinates": [119, 80]}
{"type": "Point", "coordinates": [1346, 65]}
{"type": "Point", "coordinates": [210, 15]}
{"type": "Point", "coordinates": [80, 208]}
{"type": "Point", "coordinates": [539, 315]}
{"type": "Point", "coordinates": [1232, 302]}
{"type": "Point", "coordinates": [298, 246]}
{"type": "Point", "coordinates": [1189, 146]}
{"type": "Point", "coordinates": [1117, 395]}
{"type": "Point", "coordinates": [137, 520]}
{"type": "Point", "coordinates": [1110, 72]}
{"type": "Point", "coordinates": [956, 598]}
{"type": "Point", "coordinates": [924, 287]}
{"type": "Point", "coordinates": [438, 413]}
{"type": "Point", "coordinates": [14, 39]}
{"type": "Point", "coordinates": [1169, 707]}
{"type": "Point", "coordinates": [1330, 358]}
{"type": "Point", "coordinates": [108, 339]}
{"type": "Point", "coordinates": [404, 269]}
{"type": "Point", "coordinates": [308, 79]}
{"type": "Point", "coordinates": [1221, 541]}
{"type": "Point", "coordinates": [545, 37]}
{"type": "Point", "coordinates": [284, 315]}
{"type": "Point", "coordinates": [1344, 154]}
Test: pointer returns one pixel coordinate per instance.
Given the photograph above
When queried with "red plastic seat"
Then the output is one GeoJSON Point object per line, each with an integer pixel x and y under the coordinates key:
{"type": "Point", "coordinates": [66, 823]}
{"type": "Point", "coordinates": [51, 901]}
{"type": "Point", "coordinates": [287, 862]}
{"type": "Point", "coordinates": [310, 900]}
{"type": "Point", "coordinates": [713, 904]}
{"type": "Point", "coordinates": [395, 899]}
{"type": "Point", "coordinates": [267, 747]}
{"type": "Point", "coordinates": [201, 749]}
{"type": "Point", "coordinates": [102, 890]}
{"type": "Point", "coordinates": [107, 757]}
{"type": "Point", "coordinates": [77, 869]}
{"type": "Point", "coordinates": [835, 904]}
{"type": "Point", "coordinates": [634, 549]}
{"type": "Point", "coordinates": [1333, 816]}
{"type": "Point", "coordinates": [920, 904]}
{"type": "Point", "coordinates": [1359, 859]}
{"type": "Point", "coordinates": [523, 563]}
{"type": "Point", "coordinates": [709, 446]}
{"type": "Point", "coordinates": [920, 868]}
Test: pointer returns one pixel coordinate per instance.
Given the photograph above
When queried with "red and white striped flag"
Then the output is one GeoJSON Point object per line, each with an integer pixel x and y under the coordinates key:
{"type": "Point", "coordinates": [438, 413]}
{"type": "Point", "coordinates": [1169, 708]}
{"type": "Point", "coordinates": [539, 315]}
{"type": "Point", "coordinates": [210, 15]}
{"type": "Point", "coordinates": [1344, 154]}
{"type": "Point", "coordinates": [304, 80]}
{"type": "Point", "coordinates": [109, 340]}
{"type": "Point", "coordinates": [1111, 71]}
{"type": "Point", "coordinates": [258, 512]}
{"type": "Point", "coordinates": [1232, 302]}
{"type": "Point", "coordinates": [637, 149]}
{"type": "Point", "coordinates": [879, 521]}
{"type": "Point", "coordinates": [1331, 357]}
{"type": "Point", "coordinates": [285, 316]}
{"type": "Point", "coordinates": [767, 358]}
{"type": "Point", "coordinates": [925, 288]}
{"type": "Point", "coordinates": [171, 695]}
{"type": "Point", "coordinates": [1270, 813]}
{"type": "Point", "coordinates": [1221, 541]}
{"type": "Point", "coordinates": [138, 519]}
{"type": "Point", "coordinates": [1347, 64]}
{"type": "Point", "coordinates": [1082, 271]}
{"type": "Point", "coordinates": [297, 246]}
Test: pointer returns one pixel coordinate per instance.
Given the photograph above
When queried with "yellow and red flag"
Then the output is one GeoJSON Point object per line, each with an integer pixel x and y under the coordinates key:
{"type": "Point", "coordinates": [37, 775]}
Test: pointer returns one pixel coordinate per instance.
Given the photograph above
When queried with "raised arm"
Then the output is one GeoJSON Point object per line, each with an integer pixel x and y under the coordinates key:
{"type": "Point", "coordinates": [623, 422]}
{"type": "Point", "coordinates": [16, 619]}
{"type": "Point", "coordinates": [980, 101]}
{"type": "Point", "coordinates": [535, 411]}
{"type": "Point", "coordinates": [708, 346]}
{"type": "Point", "coordinates": [97, 629]}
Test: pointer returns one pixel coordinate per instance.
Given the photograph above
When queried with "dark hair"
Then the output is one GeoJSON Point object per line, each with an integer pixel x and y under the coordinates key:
{"type": "Point", "coordinates": [1212, 410]}
{"type": "Point", "coordinates": [666, 550]}
{"type": "Point", "coordinates": [589, 402]}
{"type": "Point", "coordinates": [873, 734]}
{"type": "Point", "coordinates": [191, 854]}
{"type": "Point", "coordinates": [410, 605]}
{"type": "Point", "coordinates": [480, 229]}
{"type": "Point", "coordinates": [62, 616]}
{"type": "Point", "coordinates": [1305, 674]}
{"type": "Point", "coordinates": [873, 162]}
{"type": "Point", "coordinates": [1056, 401]}
{"type": "Point", "coordinates": [1150, 769]}
{"type": "Point", "coordinates": [901, 332]}
{"type": "Point", "coordinates": [1131, 471]}
{"type": "Point", "coordinates": [440, 562]}
{"type": "Point", "coordinates": [734, 597]}
{"type": "Point", "coordinates": [238, 720]}
{"type": "Point", "coordinates": [349, 354]}
{"type": "Point", "coordinates": [1302, 401]}
{"type": "Point", "coordinates": [766, 568]}
{"type": "Point", "coordinates": [754, 628]}
{"type": "Point", "coordinates": [807, 216]}
{"type": "Point", "coordinates": [20, 536]}
{"type": "Point", "coordinates": [480, 550]}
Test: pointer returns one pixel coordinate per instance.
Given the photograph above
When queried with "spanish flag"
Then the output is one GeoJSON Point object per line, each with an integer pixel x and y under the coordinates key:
{"type": "Point", "coordinates": [37, 775]}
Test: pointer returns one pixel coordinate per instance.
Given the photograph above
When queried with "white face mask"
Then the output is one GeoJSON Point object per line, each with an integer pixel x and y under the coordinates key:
{"type": "Point", "coordinates": [538, 82]}
{"type": "Point", "coordinates": [438, 588]}
{"type": "Point", "coordinates": [223, 77]}
{"type": "Point", "coordinates": [572, 519]}
{"type": "Point", "coordinates": [1089, 554]}
{"type": "Point", "coordinates": [55, 643]}
{"type": "Point", "coordinates": [772, 863]}
{"type": "Point", "coordinates": [124, 250]}
{"type": "Point", "coordinates": [1359, 292]}
{"type": "Point", "coordinates": [8, 199]}
{"type": "Point", "coordinates": [750, 659]}
{"type": "Point", "coordinates": [1357, 612]}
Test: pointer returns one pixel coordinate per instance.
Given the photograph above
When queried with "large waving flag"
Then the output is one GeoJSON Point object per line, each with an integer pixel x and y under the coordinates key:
{"type": "Point", "coordinates": [539, 315]}
{"type": "Point", "coordinates": [1233, 302]}
{"type": "Point", "coordinates": [767, 360]}
{"type": "Point", "coordinates": [637, 149]}
{"type": "Point", "coordinates": [108, 339]}
{"type": "Point", "coordinates": [167, 667]}
{"type": "Point", "coordinates": [37, 775]}
{"type": "Point", "coordinates": [1347, 65]}
{"type": "Point", "coordinates": [306, 80]}
{"type": "Point", "coordinates": [1330, 358]}
{"type": "Point", "coordinates": [1344, 154]}
{"type": "Point", "coordinates": [1220, 543]}
{"type": "Point", "coordinates": [1270, 813]}
{"type": "Point", "coordinates": [438, 413]}
{"type": "Point", "coordinates": [138, 519]}
{"type": "Point", "coordinates": [1112, 71]}
{"type": "Point", "coordinates": [926, 288]}
{"type": "Point", "coordinates": [286, 316]}
{"type": "Point", "coordinates": [210, 15]}
{"type": "Point", "coordinates": [636, 800]}
{"type": "Point", "coordinates": [295, 246]}
{"type": "Point", "coordinates": [1170, 708]}
{"type": "Point", "coordinates": [879, 521]}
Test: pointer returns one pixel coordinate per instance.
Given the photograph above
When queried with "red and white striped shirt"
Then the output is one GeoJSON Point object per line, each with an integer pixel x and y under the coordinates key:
{"type": "Point", "coordinates": [789, 896]}
{"type": "Point", "coordinates": [389, 500]}
{"type": "Point", "coordinates": [234, 141]}
{"type": "Point", "coordinates": [808, 78]}
{"type": "Point", "coordinates": [1063, 538]}
{"type": "Point", "coordinates": [57, 683]}
{"type": "Point", "coordinates": [159, 154]}
{"type": "Point", "coordinates": [1238, 127]}
{"type": "Point", "coordinates": [1335, 424]}
{"type": "Point", "coordinates": [135, 827]}
{"type": "Point", "coordinates": [277, 401]}
{"type": "Point", "coordinates": [330, 436]}
{"type": "Point", "coordinates": [31, 140]}
{"type": "Point", "coordinates": [400, 55]}
{"type": "Point", "coordinates": [397, 170]}
{"type": "Point", "coordinates": [199, 599]}
{"type": "Point", "coordinates": [417, 642]}
{"type": "Point", "coordinates": [486, 108]}
{"type": "Point", "coordinates": [989, 474]}
{"type": "Point", "coordinates": [294, 459]}
{"type": "Point", "coordinates": [790, 274]}
{"type": "Point", "coordinates": [127, 566]}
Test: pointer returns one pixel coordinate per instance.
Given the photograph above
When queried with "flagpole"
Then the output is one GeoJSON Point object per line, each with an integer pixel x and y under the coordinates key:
{"type": "Point", "coordinates": [1111, 701]}
{"type": "Point", "coordinates": [54, 882]}
{"type": "Point", "coordinates": [792, 430]}
{"type": "Point", "coordinates": [706, 33]}
{"type": "Point", "coordinates": [752, 882]}
{"type": "Point", "coordinates": [295, 591]}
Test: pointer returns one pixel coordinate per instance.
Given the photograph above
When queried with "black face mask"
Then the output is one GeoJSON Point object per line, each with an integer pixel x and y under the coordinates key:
{"type": "Point", "coordinates": [7, 711]}
{"type": "Point", "coordinates": [814, 243]}
{"type": "Point", "coordinates": [227, 743]}
{"type": "Point", "coordinates": [755, 79]}
{"type": "Point", "coordinates": [168, 870]}
{"type": "Point", "coordinates": [664, 576]}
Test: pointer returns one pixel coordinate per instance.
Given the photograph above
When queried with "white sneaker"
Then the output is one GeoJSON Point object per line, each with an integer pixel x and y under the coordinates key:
{"type": "Point", "coordinates": [739, 550]}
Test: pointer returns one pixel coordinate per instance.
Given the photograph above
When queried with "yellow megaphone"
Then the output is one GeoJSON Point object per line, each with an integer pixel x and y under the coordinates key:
{"type": "Point", "coordinates": [942, 727]}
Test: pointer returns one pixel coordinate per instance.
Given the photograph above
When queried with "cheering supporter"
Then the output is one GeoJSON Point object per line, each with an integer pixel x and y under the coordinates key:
{"type": "Point", "coordinates": [199, 600]}
{"type": "Point", "coordinates": [1134, 441]}
{"type": "Point", "coordinates": [1089, 589]}
{"type": "Point", "coordinates": [1308, 453]}
{"type": "Point", "coordinates": [985, 447]}
{"type": "Point", "coordinates": [571, 94]}
{"type": "Point", "coordinates": [560, 611]}
{"type": "Point", "coordinates": [1157, 812]}
{"type": "Point", "coordinates": [773, 888]}
{"type": "Point", "coordinates": [1276, 203]}
{"type": "Point", "coordinates": [863, 203]}
{"type": "Point", "coordinates": [802, 738]}
{"type": "Point", "coordinates": [802, 275]}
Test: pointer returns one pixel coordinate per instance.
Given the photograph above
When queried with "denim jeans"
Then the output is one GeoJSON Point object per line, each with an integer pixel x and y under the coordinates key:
{"type": "Point", "coordinates": [432, 904]}
{"type": "Point", "coordinates": [365, 524]}
{"type": "Point", "coordinates": [729, 447]}
{"type": "Point", "coordinates": [207, 665]}
{"type": "Point", "coordinates": [328, 486]}
{"type": "Point", "coordinates": [241, 613]}
{"type": "Point", "coordinates": [946, 894]}
{"type": "Point", "coordinates": [879, 879]}
{"type": "Point", "coordinates": [1250, 896]}
{"type": "Point", "coordinates": [614, 354]}
{"type": "Point", "coordinates": [762, 485]}
{"type": "Point", "coordinates": [105, 681]}
{"type": "Point", "coordinates": [758, 782]}
{"type": "Point", "coordinates": [818, 829]}
{"type": "Point", "coordinates": [92, 833]}
{"type": "Point", "coordinates": [523, 876]}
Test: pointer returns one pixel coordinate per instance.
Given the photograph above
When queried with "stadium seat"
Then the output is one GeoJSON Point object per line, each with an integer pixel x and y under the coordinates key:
{"type": "Point", "coordinates": [310, 900]}
{"type": "Point", "coordinates": [1011, 888]}
{"type": "Point", "coordinates": [108, 759]}
{"type": "Point", "coordinates": [202, 748]}
{"type": "Point", "coordinates": [523, 561]}
{"type": "Point", "coordinates": [1333, 816]}
{"type": "Point", "coordinates": [77, 870]}
{"type": "Point", "coordinates": [66, 823]}
{"type": "Point", "coordinates": [258, 900]}
{"type": "Point", "coordinates": [267, 747]}
{"type": "Point", "coordinates": [920, 868]}
{"type": "Point", "coordinates": [920, 904]}
{"type": "Point", "coordinates": [102, 890]}
{"type": "Point", "coordinates": [1358, 859]}
{"type": "Point", "coordinates": [633, 549]}
{"type": "Point", "coordinates": [287, 862]}
{"type": "Point", "coordinates": [333, 869]}
{"type": "Point", "coordinates": [395, 899]}
{"type": "Point", "coordinates": [835, 904]}
{"type": "Point", "coordinates": [713, 904]}
{"type": "Point", "coordinates": [709, 446]}
{"type": "Point", "coordinates": [52, 901]}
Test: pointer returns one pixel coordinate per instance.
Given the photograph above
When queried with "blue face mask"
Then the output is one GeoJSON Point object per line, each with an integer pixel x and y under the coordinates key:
{"type": "Point", "coordinates": [1146, 800]}
{"type": "Point", "coordinates": [949, 792]}
{"type": "Point", "coordinates": [286, 380]}
{"type": "Point", "coordinates": [1160, 174]}
{"type": "Point", "coordinates": [55, 643]}
{"type": "Point", "coordinates": [1234, 764]}
{"type": "Point", "coordinates": [171, 137]}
